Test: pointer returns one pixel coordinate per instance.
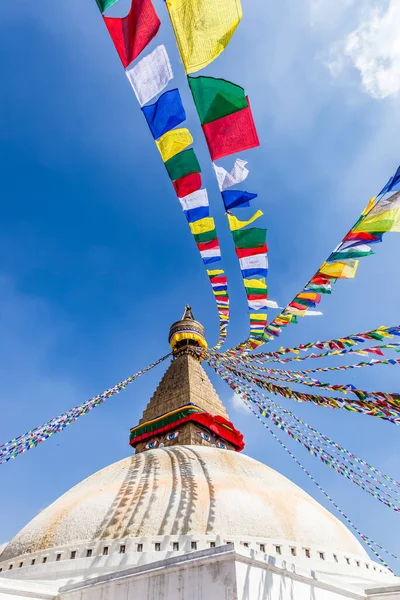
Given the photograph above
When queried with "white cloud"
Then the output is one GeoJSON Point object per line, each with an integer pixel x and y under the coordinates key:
{"type": "Point", "coordinates": [374, 49]}
{"type": "Point", "coordinates": [238, 404]}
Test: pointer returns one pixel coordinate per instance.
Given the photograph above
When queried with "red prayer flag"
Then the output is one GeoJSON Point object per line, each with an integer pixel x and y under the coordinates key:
{"type": "Point", "coordinates": [187, 185]}
{"type": "Point", "coordinates": [257, 296]}
{"type": "Point", "coordinates": [208, 246]}
{"type": "Point", "coordinates": [244, 252]}
{"type": "Point", "coordinates": [131, 34]}
{"type": "Point", "coordinates": [231, 134]}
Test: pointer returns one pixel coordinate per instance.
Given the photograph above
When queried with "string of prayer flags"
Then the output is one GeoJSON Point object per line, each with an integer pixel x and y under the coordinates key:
{"type": "Point", "coordinates": [105, 4]}
{"type": "Point", "coordinates": [216, 98]}
{"type": "Point", "coordinates": [219, 283]}
{"type": "Point", "coordinates": [131, 34]}
{"type": "Point", "coordinates": [151, 75]}
{"type": "Point", "coordinates": [173, 142]}
{"type": "Point", "coordinates": [237, 175]}
{"type": "Point", "coordinates": [380, 216]}
{"type": "Point", "coordinates": [32, 438]}
{"type": "Point", "coordinates": [235, 224]}
{"type": "Point", "coordinates": [203, 29]}
{"type": "Point", "coordinates": [344, 462]}
{"type": "Point", "coordinates": [380, 333]}
{"type": "Point", "coordinates": [182, 164]}
{"type": "Point", "coordinates": [237, 199]}
{"type": "Point", "coordinates": [384, 408]}
{"type": "Point", "coordinates": [148, 78]}
{"type": "Point", "coordinates": [187, 185]}
{"type": "Point", "coordinates": [165, 114]}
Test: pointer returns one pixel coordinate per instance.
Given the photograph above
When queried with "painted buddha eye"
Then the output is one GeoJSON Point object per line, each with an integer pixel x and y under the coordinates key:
{"type": "Point", "coordinates": [205, 436]}
{"type": "Point", "coordinates": [151, 445]}
{"type": "Point", "coordinates": [172, 436]}
{"type": "Point", "coordinates": [221, 445]}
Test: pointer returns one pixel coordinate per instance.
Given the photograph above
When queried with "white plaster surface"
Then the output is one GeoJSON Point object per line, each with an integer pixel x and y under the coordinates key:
{"type": "Point", "coordinates": [183, 490]}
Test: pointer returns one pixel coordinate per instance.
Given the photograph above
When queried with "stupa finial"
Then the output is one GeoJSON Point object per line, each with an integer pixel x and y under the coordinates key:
{"type": "Point", "coordinates": [187, 314]}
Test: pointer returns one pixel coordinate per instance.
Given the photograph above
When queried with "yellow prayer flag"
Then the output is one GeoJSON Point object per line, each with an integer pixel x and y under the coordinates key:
{"type": "Point", "coordinates": [214, 272]}
{"type": "Point", "coordinates": [257, 316]}
{"type": "Point", "coordinates": [219, 293]}
{"type": "Point", "coordinates": [381, 222]}
{"type": "Point", "coordinates": [203, 29]}
{"type": "Point", "coordinates": [173, 142]}
{"type": "Point", "coordinates": [340, 270]}
{"type": "Point", "coordinates": [235, 224]}
{"type": "Point", "coordinates": [202, 225]}
{"type": "Point", "coordinates": [256, 283]}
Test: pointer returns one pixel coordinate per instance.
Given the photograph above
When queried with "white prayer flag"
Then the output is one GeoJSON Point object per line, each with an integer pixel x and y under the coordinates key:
{"type": "Point", "coordinates": [213, 253]}
{"type": "Point", "coordinates": [258, 261]}
{"type": "Point", "coordinates": [237, 174]}
{"type": "Point", "coordinates": [150, 75]}
{"type": "Point", "coordinates": [257, 304]}
{"type": "Point", "coordinates": [272, 304]}
{"type": "Point", "coordinates": [194, 200]}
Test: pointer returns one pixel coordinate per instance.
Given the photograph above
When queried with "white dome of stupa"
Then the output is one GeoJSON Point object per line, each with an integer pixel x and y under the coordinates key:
{"type": "Point", "coordinates": [185, 491]}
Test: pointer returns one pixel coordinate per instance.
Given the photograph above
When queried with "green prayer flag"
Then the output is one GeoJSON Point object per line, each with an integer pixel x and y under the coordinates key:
{"type": "Point", "coordinates": [183, 163]}
{"type": "Point", "coordinates": [104, 4]}
{"type": "Point", "coordinates": [350, 253]}
{"type": "Point", "coordinates": [256, 291]}
{"type": "Point", "coordinates": [216, 98]}
{"type": "Point", "coordinates": [249, 238]}
{"type": "Point", "coordinates": [207, 236]}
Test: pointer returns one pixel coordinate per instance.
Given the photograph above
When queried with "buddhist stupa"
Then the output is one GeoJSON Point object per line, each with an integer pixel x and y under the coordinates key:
{"type": "Point", "coordinates": [188, 516]}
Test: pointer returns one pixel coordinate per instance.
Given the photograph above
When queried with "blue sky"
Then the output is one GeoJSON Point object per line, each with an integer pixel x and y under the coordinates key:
{"type": "Point", "coordinates": [97, 259]}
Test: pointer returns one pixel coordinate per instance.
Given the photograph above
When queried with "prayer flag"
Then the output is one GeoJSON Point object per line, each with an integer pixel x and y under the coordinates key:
{"type": "Point", "coordinates": [196, 214]}
{"type": "Point", "coordinates": [258, 317]}
{"type": "Point", "coordinates": [206, 236]}
{"type": "Point", "coordinates": [104, 4]}
{"type": "Point", "coordinates": [261, 284]}
{"type": "Point", "coordinates": [150, 75]}
{"type": "Point", "coordinates": [250, 238]}
{"type": "Point", "coordinates": [358, 251]}
{"type": "Point", "coordinates": [243, 252]}
{"type": "Point", "coordinates": [216, 98]}
{"type": "Point", "coordinates": [257, 304]}
{"type": "Point", "coordinates": [187, 185]}
{"type": "Point", "coordinates": [131, 34]}
{"type": "Point", "coordinates": [203, 29]}
{"type": "Point", "coordinates": [173, 142]}
{"type": "Point", "coordinates": [194, 200]}
{"type": "Point", "coordinates": [272, 304]}
{"type": "Point", "coordinates": [231, 134]}
{"type": "Point", "coordinates": [237, 199]}
{"type": "Point", "coordinates": [182, 164]}
{"type": "Point", "coordinates": [165, 114]}
{"type": "Point", "coordinates": [202, 226]}
{"type": "Point", "coordinates": [235, 224]}
{"type": "Point", "coordinates": [340, 270]}
{"type": "Point", "coordinates": [236, 175]}
{"type": "Point", "coordinates": [254, 265]}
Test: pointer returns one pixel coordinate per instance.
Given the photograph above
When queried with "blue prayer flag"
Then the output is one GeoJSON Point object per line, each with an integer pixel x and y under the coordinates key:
{"type": "Point", "coordinates": [237, 198]}
{"type": "Point", "coordinates": [195, 214]}
{"type": "Point", "coordinates": [248, 273]}
{"type": "Point", "coordinates": [165, 114]}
